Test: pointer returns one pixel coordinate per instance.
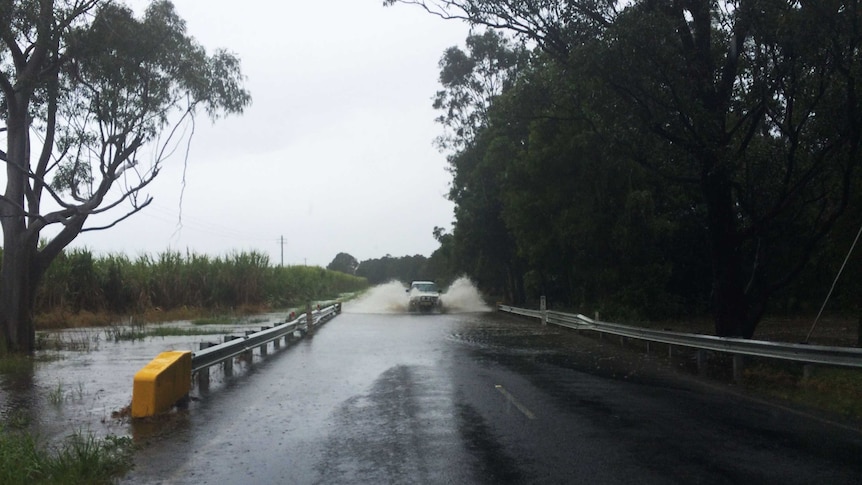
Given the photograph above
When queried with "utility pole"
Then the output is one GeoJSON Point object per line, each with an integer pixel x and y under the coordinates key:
{"type": "Point", "coordinates": [282, 251]}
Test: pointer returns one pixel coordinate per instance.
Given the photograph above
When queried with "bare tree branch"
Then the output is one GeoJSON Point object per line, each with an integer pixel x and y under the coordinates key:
{"type": "Point", "coordinates": [121, 219]}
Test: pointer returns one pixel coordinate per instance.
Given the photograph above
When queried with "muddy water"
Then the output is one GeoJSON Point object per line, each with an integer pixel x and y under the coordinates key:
{"type": "Point", "coordinates": [83, 387]}
{"type": "Point", "coordinates": [80, 389]}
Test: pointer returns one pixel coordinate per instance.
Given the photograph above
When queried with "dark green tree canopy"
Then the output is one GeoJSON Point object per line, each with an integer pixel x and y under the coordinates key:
{"type": "Point", "coordinates": [389, 268]}
{"type": "Point", "coordinates": [344, 263]}
{"type": "Point", "coordinates": [744, 114]}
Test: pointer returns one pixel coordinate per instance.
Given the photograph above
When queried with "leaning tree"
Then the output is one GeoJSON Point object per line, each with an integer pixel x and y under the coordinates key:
{"type": "Point", "coordinates": [93, 101]}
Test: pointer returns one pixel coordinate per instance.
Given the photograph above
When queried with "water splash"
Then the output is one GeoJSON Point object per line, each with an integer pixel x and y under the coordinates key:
{"type": "Point", "coordinates": [461, 297]}
{"type": "Point", "coordinates": [386, 298]}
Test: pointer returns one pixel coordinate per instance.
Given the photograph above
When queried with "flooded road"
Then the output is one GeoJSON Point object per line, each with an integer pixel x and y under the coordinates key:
{"type": "Point", "coordinates": [479, 398]}
{"type": "Point", "coordinates": [469, 396]}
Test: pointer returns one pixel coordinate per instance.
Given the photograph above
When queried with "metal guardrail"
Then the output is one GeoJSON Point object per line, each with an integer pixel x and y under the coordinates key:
{"type": "Point", "coordinates": [217, 354]}
{"type": "Point", "coordinates": [810, 354]}
{"type": "Point", "coordinates": [521, 311]}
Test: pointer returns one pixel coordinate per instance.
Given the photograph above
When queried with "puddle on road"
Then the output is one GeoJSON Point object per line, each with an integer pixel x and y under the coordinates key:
{"type": "Point", "coordinates": [461, 297]}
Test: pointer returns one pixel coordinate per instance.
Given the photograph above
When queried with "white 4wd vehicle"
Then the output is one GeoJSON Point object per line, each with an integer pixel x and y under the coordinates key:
{"type": "Point", "coordinates": [424, 297]}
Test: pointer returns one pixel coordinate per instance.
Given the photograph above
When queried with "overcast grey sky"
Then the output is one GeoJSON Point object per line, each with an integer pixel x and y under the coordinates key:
{"type": "Point", "coordinates": [335, 153]}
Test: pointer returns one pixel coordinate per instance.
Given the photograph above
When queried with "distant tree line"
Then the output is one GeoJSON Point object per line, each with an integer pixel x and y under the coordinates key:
{"type": "Point", "coordinates": [404, 268]}
{"type": "Point", "coordinates": [655, 159]}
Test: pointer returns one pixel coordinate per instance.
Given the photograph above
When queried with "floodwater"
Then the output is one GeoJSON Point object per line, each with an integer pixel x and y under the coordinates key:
{"type": "Point", "coordinates": [86, 386]}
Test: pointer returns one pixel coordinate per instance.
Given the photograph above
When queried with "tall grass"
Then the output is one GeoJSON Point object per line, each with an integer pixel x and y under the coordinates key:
{"type": "Point", "coordinates": [78, 283]}
{"type": "Point", "coordinates": [81, 459]}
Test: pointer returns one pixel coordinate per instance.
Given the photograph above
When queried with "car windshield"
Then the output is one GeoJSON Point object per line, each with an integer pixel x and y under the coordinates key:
{"type": "Point", "coordinates": [425, 287]}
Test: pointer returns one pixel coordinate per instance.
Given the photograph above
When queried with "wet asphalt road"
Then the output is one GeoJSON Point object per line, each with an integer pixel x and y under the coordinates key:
{"type": "Point", "coordinates": [478, 398]}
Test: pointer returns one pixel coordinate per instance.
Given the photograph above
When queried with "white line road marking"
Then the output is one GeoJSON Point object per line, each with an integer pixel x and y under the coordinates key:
{"type": "Point", "coordinates": [514, 401]}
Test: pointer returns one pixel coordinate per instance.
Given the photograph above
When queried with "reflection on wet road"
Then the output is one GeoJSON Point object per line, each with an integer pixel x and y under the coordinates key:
{"type": "Point", "coordinates": [476, 398]}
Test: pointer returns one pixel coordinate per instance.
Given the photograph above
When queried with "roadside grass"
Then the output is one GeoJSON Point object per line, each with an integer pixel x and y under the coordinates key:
{"type": "Point", "coordinates": [837, 391]}
{"type": "Point", "coordinates": [80, 459]}
{"type": "Point", "coordinates": [16, 365]}
{"type": "Point", "coordinates": [834, 391]}
{"type": "Point", "coordinates": [61, 318]}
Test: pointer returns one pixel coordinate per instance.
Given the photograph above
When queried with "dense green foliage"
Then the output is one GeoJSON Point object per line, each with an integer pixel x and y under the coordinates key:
{"type": "Point", "coordinates": [81, 459]}
{"type": "Point", "coordinates": [78, 281]}
{"type": "Point", "coordinates": [344, 263]}
{"type": "Point", "coordinates": [388, 268]}
{"type": "Point", "coordinates": [655, 159]}
{"type": "Point", "coordinates": [437, 268]}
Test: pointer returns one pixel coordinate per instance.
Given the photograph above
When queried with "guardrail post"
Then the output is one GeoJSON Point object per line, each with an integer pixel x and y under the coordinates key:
{"type": "Point", "coordinates": [309, 317]}
{"type": "Point", "coordinates": [701, 362]}
{"type": "Point", "coordinates": [263, 348]}
{"type": "Point", "coordinates": [738, 367]}
{"type": "Point", "coordinates": [204, 374]}
{"type": "Point", "coordinates": [228, 363]}
{"type": "Point", "coordinates": [248, 354]}
{"type": "Point", "coordinates": [807, 370]}
{"type": "Point", "coordinates": [543, 307]}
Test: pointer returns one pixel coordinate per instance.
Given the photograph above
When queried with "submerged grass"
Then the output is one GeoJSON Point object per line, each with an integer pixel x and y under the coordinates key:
{"type": "Point", "coordinates": [179, 332]}
{"type": "Point", "coordinates": [215, 320]}
{"type": "Point", "coordinates": [80, 459]}
{"type": "Point", "coordinates": [227, 320]}
{"type": "Point", "coordinates": [76, 341]}
{"type": "Point", "coordinates": [133, 333]}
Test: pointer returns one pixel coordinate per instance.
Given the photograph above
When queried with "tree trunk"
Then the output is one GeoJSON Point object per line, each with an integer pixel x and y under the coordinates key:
{"type": "Point", "coordinates": [16, 298]}
{"type": "Point", "coordinates": [16, 287]}
{"type": "Point", "coordinates": [729, 298]}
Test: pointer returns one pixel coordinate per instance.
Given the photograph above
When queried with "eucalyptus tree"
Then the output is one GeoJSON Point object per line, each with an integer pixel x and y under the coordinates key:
{"type": "Point", "coordinates": [755, 104]}
{"type": "Point", "coordinates": [93, 101]}
{"type": "Point", "coordinates": [472, 83]}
